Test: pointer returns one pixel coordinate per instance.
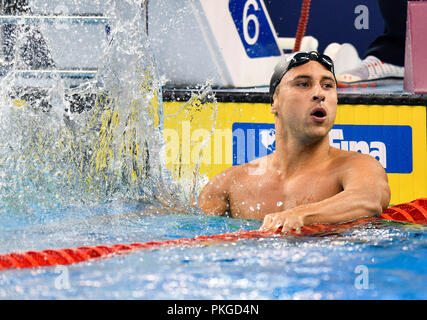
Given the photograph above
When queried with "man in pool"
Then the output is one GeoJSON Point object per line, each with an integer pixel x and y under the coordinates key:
{"type": "Point", "coordinates": [305, 180]}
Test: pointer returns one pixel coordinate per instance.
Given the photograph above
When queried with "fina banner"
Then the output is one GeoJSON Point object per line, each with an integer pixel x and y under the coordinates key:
{"type": "Point", "coordinates": [391, 145]}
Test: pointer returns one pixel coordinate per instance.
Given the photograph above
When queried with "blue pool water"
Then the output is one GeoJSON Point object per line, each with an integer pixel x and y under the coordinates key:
{"type": "Point", "coordinates": [385, 260]}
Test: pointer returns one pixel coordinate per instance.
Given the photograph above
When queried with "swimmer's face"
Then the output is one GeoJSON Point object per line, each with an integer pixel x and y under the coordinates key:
{"type": "Point", "coordinates": [305, 101]}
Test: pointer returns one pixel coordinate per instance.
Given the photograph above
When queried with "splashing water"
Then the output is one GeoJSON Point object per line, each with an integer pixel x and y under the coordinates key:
{"type": "Point", "coordinates": [91, 143]}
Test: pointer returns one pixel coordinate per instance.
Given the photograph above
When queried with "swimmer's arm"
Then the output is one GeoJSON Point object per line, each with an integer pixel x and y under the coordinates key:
{"type": "Point", "coordinates": [365, 194]}
{"type": "Point", "coordinates": [213, 200]}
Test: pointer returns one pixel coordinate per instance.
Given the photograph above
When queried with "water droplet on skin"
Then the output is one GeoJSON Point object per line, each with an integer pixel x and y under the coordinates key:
{"type": "Point", "coordinates": [252, 208]}
{"type": "Point", "coordinates": [258, 206]}
{"type": "Point", "coordinates": [279, 203]}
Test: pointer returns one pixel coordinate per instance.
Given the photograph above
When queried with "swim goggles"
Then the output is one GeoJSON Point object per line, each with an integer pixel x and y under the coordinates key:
{"type": "Point", "coordinates": [295, 60]}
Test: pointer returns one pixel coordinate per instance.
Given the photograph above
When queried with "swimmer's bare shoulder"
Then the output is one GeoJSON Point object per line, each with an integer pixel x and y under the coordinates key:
{"type": "Point", "coordinates": [214, 197]}
{"type": "Point", "coordinates": [361, 173]}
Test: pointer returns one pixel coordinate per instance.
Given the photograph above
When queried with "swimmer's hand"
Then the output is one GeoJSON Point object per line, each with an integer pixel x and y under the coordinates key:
{"type": "Point", "coordinates": [287, 220]}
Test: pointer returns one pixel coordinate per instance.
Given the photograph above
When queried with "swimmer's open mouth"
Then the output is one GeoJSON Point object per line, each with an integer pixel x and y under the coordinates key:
{"type": "Point", "coordinates": [318, 113]}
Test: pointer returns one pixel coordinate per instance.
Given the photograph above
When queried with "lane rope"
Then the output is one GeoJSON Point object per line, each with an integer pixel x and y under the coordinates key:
{"type": "Point", "coordinates": [411, 212]}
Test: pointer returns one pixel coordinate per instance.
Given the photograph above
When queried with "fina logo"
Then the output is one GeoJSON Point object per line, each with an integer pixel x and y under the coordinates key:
{"type": "Point", "coordinates": [391, 145]}
{"type": "Point", "coordinates": [377, 149]}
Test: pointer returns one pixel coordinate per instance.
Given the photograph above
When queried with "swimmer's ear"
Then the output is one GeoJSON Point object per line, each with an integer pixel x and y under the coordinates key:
{"type": "Point", "coordinates": [274, 105]}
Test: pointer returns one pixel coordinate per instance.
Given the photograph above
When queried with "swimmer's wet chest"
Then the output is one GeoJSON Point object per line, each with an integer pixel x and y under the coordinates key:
{"type": "Point", "coordinates": [254, 197]}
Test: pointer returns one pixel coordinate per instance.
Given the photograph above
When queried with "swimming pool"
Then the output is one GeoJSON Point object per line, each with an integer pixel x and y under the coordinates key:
{"type": "Point", "coordinates": [384, 260]}
{"type": "Point", "coordinates": [68, 171]}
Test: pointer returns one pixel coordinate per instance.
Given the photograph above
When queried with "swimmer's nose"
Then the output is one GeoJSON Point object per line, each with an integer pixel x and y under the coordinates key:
{"type": "Point", "coordinates": [318, 95]}
{"type": "Point", "coordinates": [319, 98]}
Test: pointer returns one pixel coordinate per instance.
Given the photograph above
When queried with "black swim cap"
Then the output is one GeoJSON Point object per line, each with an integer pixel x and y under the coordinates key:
{"type": "Point", "coordinates": [297, 59]}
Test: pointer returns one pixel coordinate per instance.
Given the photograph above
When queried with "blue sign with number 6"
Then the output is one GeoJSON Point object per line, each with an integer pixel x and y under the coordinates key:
{"type": "Point", "coordinates": [253, 27]}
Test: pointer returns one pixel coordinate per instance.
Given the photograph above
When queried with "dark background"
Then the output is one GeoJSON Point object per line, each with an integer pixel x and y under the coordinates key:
{"type": "Point", "coordinates": [329, 21]}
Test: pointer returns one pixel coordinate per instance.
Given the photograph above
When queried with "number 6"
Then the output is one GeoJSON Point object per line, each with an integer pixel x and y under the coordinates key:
{"type": "Point", "coordinates": [248, 18]}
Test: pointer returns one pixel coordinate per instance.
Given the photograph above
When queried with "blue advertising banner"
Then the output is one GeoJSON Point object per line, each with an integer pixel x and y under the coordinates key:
{"type": "Point", "coordinates": [391, 145]}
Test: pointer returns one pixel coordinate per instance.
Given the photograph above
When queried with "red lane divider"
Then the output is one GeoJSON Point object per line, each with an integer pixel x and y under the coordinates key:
{"type": "Point", "coordinates": [414, 212]}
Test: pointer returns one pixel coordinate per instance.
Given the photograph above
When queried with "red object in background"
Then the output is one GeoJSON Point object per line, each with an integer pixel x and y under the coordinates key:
{"type": "Point", "coordinates": [302, 24]}
{"type": "Point", "coordinates": [415, 80]}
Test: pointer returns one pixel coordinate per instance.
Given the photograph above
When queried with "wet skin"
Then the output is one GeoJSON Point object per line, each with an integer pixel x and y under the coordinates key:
{"type": "Point", "coordinates": [304, 181]}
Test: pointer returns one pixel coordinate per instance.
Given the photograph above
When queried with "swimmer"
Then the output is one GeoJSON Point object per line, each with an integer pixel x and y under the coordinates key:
{"type": "Point", "coordinates": [305, 180]}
